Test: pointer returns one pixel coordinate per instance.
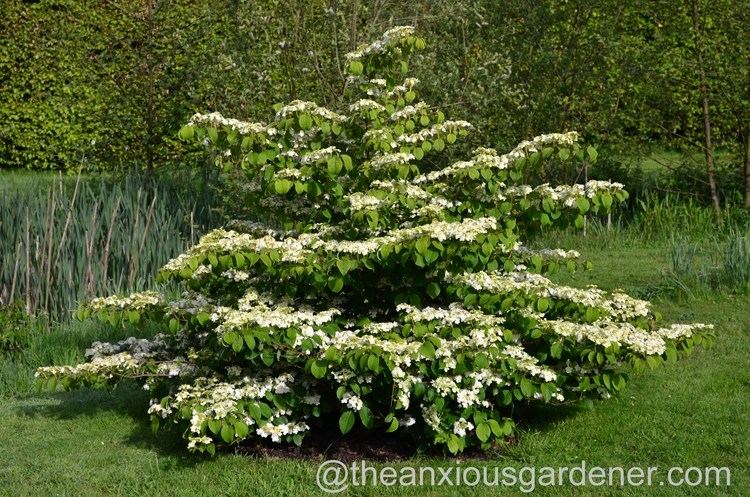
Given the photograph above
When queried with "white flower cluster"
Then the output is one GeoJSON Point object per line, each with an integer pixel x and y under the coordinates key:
{"type": "Point", "coordinates": [104, 366]}
{"type": "Point", "coordinates": [567, 195]}
{"type": "Point", "coordinates": [319, 155]}
{"type": "Point", "coordinates": [302, 106]}
{"type": "Point", "coordinates": [402, 187]}
{"type": "Point", "coordinates": [277, 431]}
{"type": "Point", "coordinates": [366, 105]}
{"type": "Point", "coordinates": [461, 426]}
{"type": "Point", "coordinates": [436, 207]}
{"type": "Point", "coordinates": [430, 206]}
{"type": "Point", "coordinates": [296, 249]}
{"type": "Point", "coordinates": [223, 241]}
{"type": "Point", "coordinates": [467, 396]}
{"type": "Point", "coordinates": [618, 306]}
{"type": "Point", "coordinates": [378, 134]}
{"type": "Point", "coordinates": [678, 331]}
{"type": "Point", "coordinates": [406, 86]}
{"type": "Point", "coordinates": [361, 201]}
{"type": "Point", "coordinates": [488, 158]}
{"type": "Point", "coordinates": [607, 333]}
{"type": "Point", "coordinates": [191, 303]}
{"type": "Point", "coordinates": [528, 363]}
{"type": "Point", "coordinates": [289, 173]}
{"type": "Point", "coordinates": [435, 131]}
{"type": "Point", "coordinates": [482, 158]}
{"type": "Point", "coordinates": [216, 120]}
{"type": "Point", "coordinates": [352, 401]}
{"type": "Point", "coordinates": [236, 275]}
{"type": "Point", "coordinates": [409, 111]}
{"type": "Point", "coordinates": [465, 230]}
{"type": "Point", "coordinates": [390, 38]}
{"type": "Point", "coordinates": [135, 302]}
{"type": "Point", "coordinates": [548, 253]}
{"type": "Point", "coordinates": [139, 348]}
{"type": "Point", "coordinates": [269, 316]}
{"type": "Point", "coordinates": [386, 161]}
{"type": "Point", "coordinates": [219, 399]}
{"type": "Point", "coordinates": [454, 315]}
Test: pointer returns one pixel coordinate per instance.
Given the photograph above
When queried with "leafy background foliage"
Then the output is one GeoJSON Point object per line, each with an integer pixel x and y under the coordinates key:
{"type": "Point", "coordinates": [113, 82]}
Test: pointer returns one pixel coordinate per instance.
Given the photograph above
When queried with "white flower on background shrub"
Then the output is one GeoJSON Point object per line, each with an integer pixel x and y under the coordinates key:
{"type": "Point", "coordinates": [381, 286]}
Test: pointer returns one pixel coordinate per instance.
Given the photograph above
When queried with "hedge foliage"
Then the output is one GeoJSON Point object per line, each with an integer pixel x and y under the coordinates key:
{"type": "Point", "coordinates": [113, 82]}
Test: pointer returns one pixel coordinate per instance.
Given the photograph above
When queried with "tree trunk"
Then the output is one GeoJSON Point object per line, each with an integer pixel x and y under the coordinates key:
{"type": "Point", "coordinates": [708, 145]}
{"type": "Point", "coordinates": [746, 146]}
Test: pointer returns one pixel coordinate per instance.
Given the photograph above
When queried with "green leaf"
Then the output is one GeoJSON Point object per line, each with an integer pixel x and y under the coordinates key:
{"type": "Point", "coordinates": [343, 266]}
{"type": "Point", "coordinates": [347, 161]}
{"type": "Point", "coordinates": [373, 363]}
{"type": "Point", "coordinates": [241, 429]}
{"type": "Point", "coordinates": [203, 317]}
{"type": "Point", "coordinates": [318, 368]}
{"type": "Point", "coordinates": [671, 354]}
{"type": "Point", "coordinates": [579, 221]}
{"type": "Point", "coordinates": [282, 186]}
{"type": "Point", "coordinates": [433, 289]}
{"type": "Point", "coordinates": [356, 68]}
{"type": "Point", "coordinates": [249, 339]}
{"type": "Point", "coordinates": [592, 153]}
{"type": "Point", "coordinates": [427, 350]}
{"type": "Point", "coordinates": [305, 121]}
{"type": "Point", "coordinates": [335, 283]}
{"type": "Point", "coordinates": [527, 387]}
{"type": "Point", "coordinates": [366, 416]}
{"type": "Point", "coordinates": [186, 133]}
{"type": "Point", "coordinates": [227, 433]}
{"type": "Point", "coordinates": [454, 444]}
{"type": "Point", "coordinates": [267, 357]}
{"type": "Point", "coordinates": [495, 427]}
{"type": "Point", "coordinates": [556, 350]}
{"type": "Point", "coordinates": [393, 426]}
{"type": "Point", "coordinates": [346, 422]}
{"type": "Point", "coordinates": [230, 337]}
{"type": "Point", "coordinates": [237, 343]}
{"type": "Point", "coordinates": [214, 425]}
{"type": "Point", "coordinates": [583, 204]}
{"type": "Point", "coordinates": [481, 360]}
{"type": "Point", "coordinates": [483, 432]}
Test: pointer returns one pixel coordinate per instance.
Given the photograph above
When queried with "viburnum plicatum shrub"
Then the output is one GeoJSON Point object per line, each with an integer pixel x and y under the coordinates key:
{"type": "Point", "coordinates": [379, 284]}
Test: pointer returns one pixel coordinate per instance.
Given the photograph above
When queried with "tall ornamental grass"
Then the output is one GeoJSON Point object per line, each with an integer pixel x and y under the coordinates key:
{"type": "Point", "coordinates": [67, 239]}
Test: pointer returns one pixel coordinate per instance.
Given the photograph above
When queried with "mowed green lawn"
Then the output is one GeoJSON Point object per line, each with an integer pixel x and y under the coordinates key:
{"type": "Point", "coordinates": [693, 413]}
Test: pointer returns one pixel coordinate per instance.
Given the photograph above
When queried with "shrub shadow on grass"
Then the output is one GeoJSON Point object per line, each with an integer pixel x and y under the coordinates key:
{"type": "Point", "coordinates": [323, 442]}
{"type": "Point", "coordinates": [544, 417]}
{"type": "Point", "coordinates": [126, 400]}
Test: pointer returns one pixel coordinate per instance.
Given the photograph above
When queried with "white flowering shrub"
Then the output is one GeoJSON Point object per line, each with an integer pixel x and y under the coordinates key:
{"type": "Point", "coordinates": [379, 287]}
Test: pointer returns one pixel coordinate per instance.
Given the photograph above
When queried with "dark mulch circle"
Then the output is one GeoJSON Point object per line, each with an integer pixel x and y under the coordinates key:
{"type": "Point", "coordinates": [356, 446]}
